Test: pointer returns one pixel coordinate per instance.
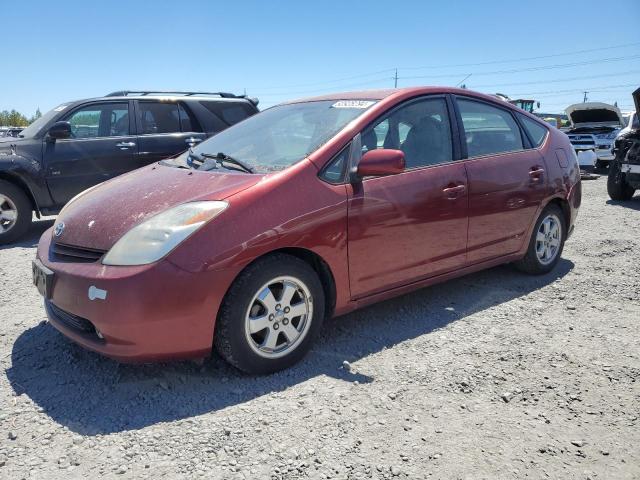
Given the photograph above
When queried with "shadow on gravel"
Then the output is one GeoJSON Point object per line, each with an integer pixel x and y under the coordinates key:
{"type": "Point", "coordinates": [93, 395]}
{"type": "Point", "coordinates": [633, 204]}
{"type": "Point", "coordinates": [32, 237]}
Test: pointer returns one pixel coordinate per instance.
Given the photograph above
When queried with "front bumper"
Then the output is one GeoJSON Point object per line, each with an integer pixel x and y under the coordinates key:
{"type": "Point", "coordinates": [148, 313]}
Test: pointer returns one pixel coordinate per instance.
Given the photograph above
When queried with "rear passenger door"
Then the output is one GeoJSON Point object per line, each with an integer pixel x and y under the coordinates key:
{"type": "Point", "coordinates": [507, 179]}
{"type": "Point", "coordinates": [165, 129]}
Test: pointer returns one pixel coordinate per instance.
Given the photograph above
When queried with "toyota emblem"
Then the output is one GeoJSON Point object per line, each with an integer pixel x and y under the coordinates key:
{"type": "Point", "coordinates": [57, 231]}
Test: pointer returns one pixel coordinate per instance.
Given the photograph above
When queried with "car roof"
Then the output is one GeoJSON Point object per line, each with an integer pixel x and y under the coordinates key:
{"type": "Point", "coordinates": [393, 92]}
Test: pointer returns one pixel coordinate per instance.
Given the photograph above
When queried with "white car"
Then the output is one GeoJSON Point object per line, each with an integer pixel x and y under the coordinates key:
{"type": "Point", "coordinates": [594, 126]}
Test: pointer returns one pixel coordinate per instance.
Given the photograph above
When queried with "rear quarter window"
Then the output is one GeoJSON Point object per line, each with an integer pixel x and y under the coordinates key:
{"type": "Point", "coordinates": [537, 133]}
{"type": "Point", "coordinates": [230, 112]}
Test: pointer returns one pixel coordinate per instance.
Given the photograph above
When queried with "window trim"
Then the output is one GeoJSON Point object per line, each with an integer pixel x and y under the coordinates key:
{"type": "Point", "coordinates": [533, 146]}
{"type": "Point", "coordinates": [75, 109]}
{"type": "Point", "coordinates": [456, 151]}
{"type": "Point", "coordinates": [463, 144]}
{"type": "Point", "coordinates": [345, 167]}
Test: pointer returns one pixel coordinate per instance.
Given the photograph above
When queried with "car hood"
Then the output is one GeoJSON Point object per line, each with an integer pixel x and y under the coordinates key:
{"type": "Point", "coordinates": [103, 214]}
{"type": "Point", "coordinates": [594, 114]}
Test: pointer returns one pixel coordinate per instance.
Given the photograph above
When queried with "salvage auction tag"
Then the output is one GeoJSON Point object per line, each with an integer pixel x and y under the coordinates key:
{"type": "Point", "coordinates": [353, 104]}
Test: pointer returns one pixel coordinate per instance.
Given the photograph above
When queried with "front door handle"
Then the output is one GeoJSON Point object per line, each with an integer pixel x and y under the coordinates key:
{"type": "Point", "coordinates": [125, 145]}
{"type": "Point", "coordinates": [454, 191]}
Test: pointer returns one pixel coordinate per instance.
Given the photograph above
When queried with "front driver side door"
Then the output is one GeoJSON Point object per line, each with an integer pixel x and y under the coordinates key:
{"type": "Point", "coordinates": [101, 147]}
{"type": "Point", "coordinates": [407, 227]}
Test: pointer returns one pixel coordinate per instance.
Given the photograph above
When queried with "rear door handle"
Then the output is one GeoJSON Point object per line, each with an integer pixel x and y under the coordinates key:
{"type": "Point", "coordinates": [192, 141]}
{"type": "Point", "coordinates": [454, 192]}
{"type": "Point", "coordinates": [536, 173]}
{"type": "Point", "coordinates": [125, 145]}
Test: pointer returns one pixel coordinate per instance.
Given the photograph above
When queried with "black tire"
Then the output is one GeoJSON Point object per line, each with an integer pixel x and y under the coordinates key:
{"type": "Point", "coordinates": [617, 185]}
{"type": "Point", "coordinates": [531, 264]}
{"type": "Point", "coordinates": [230, 339]}
{"type": "Point", "coordinates": [601, 164]}
{"type": "Point", "coordinates": [19, 199]}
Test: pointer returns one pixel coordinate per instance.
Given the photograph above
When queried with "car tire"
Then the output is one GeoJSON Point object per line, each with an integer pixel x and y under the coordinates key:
{"type": "Point", "coordinates": [253, 332]}
{"type": "Point", "coordinates": [15, 212]}
{"type": "Point", "coordinates": [546, 243]}
{"type": "Point", "coordinates": [617, 186]}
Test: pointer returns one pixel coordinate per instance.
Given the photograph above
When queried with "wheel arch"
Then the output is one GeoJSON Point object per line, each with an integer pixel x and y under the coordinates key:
{"type": "Point", "coordinates": [22, 185]}
{"type": "Point", "coordinates": [563, 204]}
{"type": "Point", "coordinates": [316, 262]}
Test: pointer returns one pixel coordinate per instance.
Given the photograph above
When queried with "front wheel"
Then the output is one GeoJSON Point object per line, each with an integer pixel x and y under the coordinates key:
{"type": "Point", "coordinates": [15, 212]}
{"type": "Point", "coordinates": [271, 315]}
{"type": "Point", "coordinates": [546, 243]}
{"type": "Point", "coordinates": [617, 186]}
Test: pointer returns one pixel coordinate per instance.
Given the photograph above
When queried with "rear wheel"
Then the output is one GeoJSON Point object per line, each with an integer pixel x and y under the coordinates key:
{"type": "Point", "coordinates": [617, 185]}
{"type": "Point", "coordinates": [546, 243]}
{"type": "Point", "coordinates": [271, 315]}
{"type": "Point", "coordinates": [15, 212]}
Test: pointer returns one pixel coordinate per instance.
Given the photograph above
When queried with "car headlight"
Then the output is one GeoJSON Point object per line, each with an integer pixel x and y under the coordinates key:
{"type": "Point", "coordinates": [607, 136]}
{"type": "Point", "coordinates": [157, 236]}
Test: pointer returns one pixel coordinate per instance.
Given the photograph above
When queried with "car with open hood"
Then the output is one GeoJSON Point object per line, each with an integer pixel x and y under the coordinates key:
{"type": "Point", "coordinates": [594, 127]}
{"type": "Point", "coordinates": [624, 173]}
{"type": "Point", "coordinates": [307, 210]}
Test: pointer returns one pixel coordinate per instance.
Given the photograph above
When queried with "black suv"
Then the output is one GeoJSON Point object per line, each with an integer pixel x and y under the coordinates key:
{"type": "Point", "coordinates": [80, 144]}
{"type": "Point", "coordinates": [624, 172]}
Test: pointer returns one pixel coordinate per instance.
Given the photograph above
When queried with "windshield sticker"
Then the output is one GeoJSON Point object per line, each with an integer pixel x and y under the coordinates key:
{"type": "Point", "coordinates": [353, 104]}
{"type": "Point", "coordinates": [60, 108]}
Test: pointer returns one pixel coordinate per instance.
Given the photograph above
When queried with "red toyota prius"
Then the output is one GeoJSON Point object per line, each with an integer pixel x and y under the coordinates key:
{"type": "Point", "coordinates": [308, 210]}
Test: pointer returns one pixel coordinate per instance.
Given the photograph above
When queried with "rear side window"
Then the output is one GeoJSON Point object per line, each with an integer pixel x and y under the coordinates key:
{"type": "Point", "coordinates": [230, 112]}
{"type": "Point", "coordinates": [536, 132]}
{"type": "Point", "coordinates": [188, 121]}
{"type": "Point", "coordinates": [157, 117]}
{"type": "Point", "coordinates": [488, 130]}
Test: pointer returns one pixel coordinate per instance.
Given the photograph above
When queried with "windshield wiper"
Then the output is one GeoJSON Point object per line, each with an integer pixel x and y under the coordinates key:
{"type": "Point", "coordinates": [221, 158]}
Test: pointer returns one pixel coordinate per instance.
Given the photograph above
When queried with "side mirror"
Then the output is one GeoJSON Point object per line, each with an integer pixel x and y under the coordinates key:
{"type": "Point", "coordinates": [381, 162]}
{"type": "Point", "coordinates": [60, 130]}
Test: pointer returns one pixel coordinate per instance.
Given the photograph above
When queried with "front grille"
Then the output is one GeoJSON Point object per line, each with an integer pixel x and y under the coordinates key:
{"type": "Point", "coordinates": [69, 253]}
{"type": "Point", "coordinates": [71, 321]}
{"type": "Point", "coordinates": [582, 142]}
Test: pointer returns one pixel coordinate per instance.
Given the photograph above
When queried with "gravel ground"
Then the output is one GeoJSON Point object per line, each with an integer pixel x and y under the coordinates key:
{"type": "Point", "coordinates": [494, 375]}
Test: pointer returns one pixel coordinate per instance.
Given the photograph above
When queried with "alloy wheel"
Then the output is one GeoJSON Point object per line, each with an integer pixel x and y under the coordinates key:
{"type": "Point", "coordinates": [8, 213]}
{"type": "Point", "coordinates": [548, 239]}
{"type": "Point", "coordinates": [278, 317]}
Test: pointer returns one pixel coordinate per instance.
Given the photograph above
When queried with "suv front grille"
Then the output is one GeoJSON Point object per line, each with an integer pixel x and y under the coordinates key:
{"type": "Point", "coordinates": [68, 253]}
{"type": "Point", "coordinates": [71, 321]}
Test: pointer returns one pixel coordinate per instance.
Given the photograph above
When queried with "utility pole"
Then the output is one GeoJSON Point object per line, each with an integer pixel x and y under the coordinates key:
{"type": "Point", "coordinates": [584, 100]}
{"type": "Point", "coordinates": [395, 79]}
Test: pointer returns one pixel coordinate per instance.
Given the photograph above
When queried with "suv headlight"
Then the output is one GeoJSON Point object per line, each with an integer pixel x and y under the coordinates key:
{"type": "Point", "coordinates": [157, 236]}
{"type": "Point", "coordinates": [607, 136]}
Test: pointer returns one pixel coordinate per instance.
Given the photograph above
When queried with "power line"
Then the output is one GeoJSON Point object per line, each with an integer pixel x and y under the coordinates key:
{"type": "Point", "coordinates": [558, 80]}
{"type": "Point", "coordinates": [523, 59]}
{"type": "Point", "coordinates": [531, 69]}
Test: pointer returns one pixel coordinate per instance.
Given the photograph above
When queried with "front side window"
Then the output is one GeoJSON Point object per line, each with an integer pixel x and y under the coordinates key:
{"type": "Point", "coordinates": [277, 138]}
{"type": "Point", "coordinates": [536, 132]}
{"type": "Point", "coordinates": [488, 130]}
{"type": "Point", "coordinates": [100, 120]}
{"type": "Point", "coordinates": [158, 117]}
{"type": "Point", "coordinates": [420, 129]}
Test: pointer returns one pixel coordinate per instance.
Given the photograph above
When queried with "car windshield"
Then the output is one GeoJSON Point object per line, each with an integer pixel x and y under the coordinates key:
{"type": "Point", "coordinates": [280, 136]}
{"type": "Point", "coordinates": [33, 129]}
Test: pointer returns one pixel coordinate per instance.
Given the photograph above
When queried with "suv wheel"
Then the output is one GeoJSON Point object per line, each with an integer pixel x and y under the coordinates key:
{"type": "Point", "coordinates": [617, 185]}
{"type": "Point", "coordinates": [271, 315]}
{"type": "Point", "coordinates": [546, 243]}
{"type": "Point", "coordinates": [15, 212]}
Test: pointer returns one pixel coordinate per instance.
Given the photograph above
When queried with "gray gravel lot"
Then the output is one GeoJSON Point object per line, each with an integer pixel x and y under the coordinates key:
{"type": "Point", "coordinates": [494, 375]}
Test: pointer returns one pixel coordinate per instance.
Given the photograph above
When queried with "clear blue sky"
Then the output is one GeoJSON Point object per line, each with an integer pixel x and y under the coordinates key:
{"type": "Point", "coordinates": [60, 51]}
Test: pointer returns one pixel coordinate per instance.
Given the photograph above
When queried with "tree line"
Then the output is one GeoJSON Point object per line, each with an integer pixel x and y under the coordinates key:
{"type": "Point", "coordinates": [14, 118]}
